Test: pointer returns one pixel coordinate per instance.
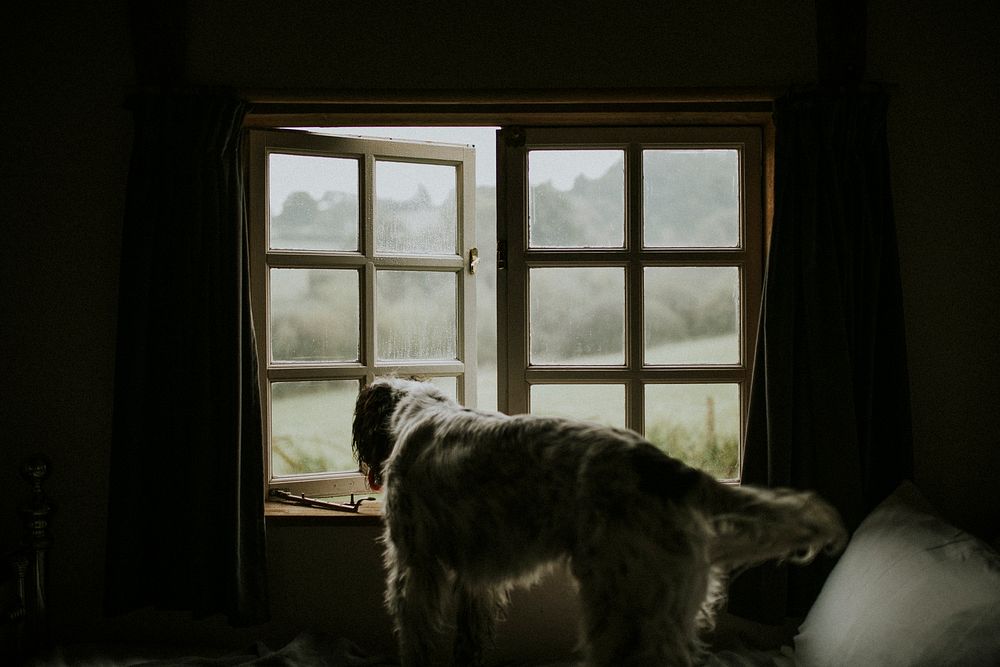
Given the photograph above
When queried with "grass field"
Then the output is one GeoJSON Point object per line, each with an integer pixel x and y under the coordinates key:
{"type": "Point", "coordinates": [698, 423]}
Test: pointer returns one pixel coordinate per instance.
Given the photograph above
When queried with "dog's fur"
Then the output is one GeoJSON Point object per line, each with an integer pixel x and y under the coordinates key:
{"type": "Point", "coordinates": [478, 502]}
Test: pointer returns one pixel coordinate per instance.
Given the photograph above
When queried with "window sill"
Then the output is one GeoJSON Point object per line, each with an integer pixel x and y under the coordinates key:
{"type": "Point", "coordinates": [369, 514]}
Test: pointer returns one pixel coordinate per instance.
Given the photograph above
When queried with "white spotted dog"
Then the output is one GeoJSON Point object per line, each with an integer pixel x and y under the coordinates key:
{"type": "Point", "coordinates": [479, 502]}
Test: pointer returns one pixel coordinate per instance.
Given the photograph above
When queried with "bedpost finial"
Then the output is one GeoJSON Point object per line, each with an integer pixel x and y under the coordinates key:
{"type": "Point", "coordinates": [35, 469]}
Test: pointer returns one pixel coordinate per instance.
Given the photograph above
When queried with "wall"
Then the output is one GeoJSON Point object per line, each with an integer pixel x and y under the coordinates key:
{"type": "Point", "coordinates": [63, 164]}
{"type": "Point", "coordinates": [944, 161]}
{"type": "Point", "coordinates": [520, 44]}
{"type": "Point", "coordinates": [66, 141]}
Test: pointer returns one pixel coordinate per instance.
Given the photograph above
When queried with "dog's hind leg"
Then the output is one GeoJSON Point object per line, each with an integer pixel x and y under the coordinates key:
{"type": "Point", "coordinates": [641, 600]}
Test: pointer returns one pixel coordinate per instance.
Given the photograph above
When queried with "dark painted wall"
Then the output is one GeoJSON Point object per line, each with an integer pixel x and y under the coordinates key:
{"type": "Point", "coordinates": [63, 168]}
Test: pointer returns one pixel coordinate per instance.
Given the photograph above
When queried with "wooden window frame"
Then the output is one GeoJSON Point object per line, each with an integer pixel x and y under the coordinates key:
{"type": "Point", "coordinates": [516, 372]}
{"type": "Point", "coordinates": [597, 108]}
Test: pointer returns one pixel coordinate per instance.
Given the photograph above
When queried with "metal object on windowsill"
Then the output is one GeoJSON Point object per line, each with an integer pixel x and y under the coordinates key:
{"type": "Point", "coordinates": [353, 506]}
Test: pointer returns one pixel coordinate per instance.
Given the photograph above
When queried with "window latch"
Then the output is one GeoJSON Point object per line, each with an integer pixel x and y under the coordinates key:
{"type": "Point", "coordinates": [474, 260]}
{"type": "Point", "coordinates": [281, 495]}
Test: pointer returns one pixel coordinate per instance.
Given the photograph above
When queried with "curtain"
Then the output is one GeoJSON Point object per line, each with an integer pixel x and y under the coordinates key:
{"type": "Point", "coordinates": [829, 402]}
{"type": "Point", "coordinates": [185, 515]}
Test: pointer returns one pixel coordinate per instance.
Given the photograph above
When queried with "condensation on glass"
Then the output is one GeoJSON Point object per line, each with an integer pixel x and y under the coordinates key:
{"type": "Point", "coordinates": [315, 314]}
{"type": "Point", "coordinates": [358, 267]}
{"type": "Point", "coordinates": [416, 209]}
{"type": "Point", "coordinates": [415, 315]}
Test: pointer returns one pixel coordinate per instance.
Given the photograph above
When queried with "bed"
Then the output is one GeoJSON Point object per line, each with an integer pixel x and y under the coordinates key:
{"type": "Point", "coordinates": [910, 589]}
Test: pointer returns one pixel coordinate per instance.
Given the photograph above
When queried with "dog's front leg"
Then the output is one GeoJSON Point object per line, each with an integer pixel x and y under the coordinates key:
{"type": "Point", "coordinates": [414, 598]}
{"type": "Point", "coordinates": [476, 616]}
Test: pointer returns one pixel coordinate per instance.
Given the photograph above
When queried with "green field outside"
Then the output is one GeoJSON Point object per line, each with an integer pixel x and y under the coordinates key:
{"type": "Point", "coordinates": [698, 423]}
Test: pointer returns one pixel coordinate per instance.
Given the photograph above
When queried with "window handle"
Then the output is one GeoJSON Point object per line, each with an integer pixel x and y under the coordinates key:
{"type": "Point", "coordinates": [474, 260]}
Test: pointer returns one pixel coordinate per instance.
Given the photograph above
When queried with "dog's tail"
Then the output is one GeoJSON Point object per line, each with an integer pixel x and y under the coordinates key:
{"type": "Point", "coordinates": [753, 525]}
{"type": "Point", "coordinates": [750, 525]}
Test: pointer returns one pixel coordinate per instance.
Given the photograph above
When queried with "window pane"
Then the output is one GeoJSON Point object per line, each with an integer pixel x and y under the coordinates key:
{"type": "Point", "coordinates": [415, 315]}
{"type": "Point", "coordinates": [448, 385]}
{"type": "Point", "coordinates": [577, 316]}
{"type": "Point", "coordinates": [691, 198]}
{"type": "Point", "coordinates": [315, 314]}
{"type": "Point", "coordinates": [313, 202]}
{"type": "Point", "coordinates": [577, 199]}
{"type": "Point", "coordinates": [601, 403]}
{"type": "Point", "coordinates": [311, 426]}
{"type": "Point", "coordinates": [415, 208]}
{"type": "Point", "coordinates": [696, 423]}
{"type": "Point", "coordinates": [692, 315]}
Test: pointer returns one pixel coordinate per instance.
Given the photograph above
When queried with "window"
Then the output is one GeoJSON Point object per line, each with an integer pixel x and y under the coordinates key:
{"type": "Point", "coordinates": [361, 257]}
{"type": "Point", "coordinates": [618, 279]}
{"type": "Point", "coordinates": [633, 280]}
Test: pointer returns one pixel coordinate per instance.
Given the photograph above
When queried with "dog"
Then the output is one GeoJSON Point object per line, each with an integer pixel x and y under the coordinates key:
{"type": "Point", "coordinates": [477, 503]}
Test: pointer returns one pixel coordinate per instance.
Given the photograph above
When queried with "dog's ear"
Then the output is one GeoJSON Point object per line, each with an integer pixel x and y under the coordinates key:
{"type": "Point", "coordinates": [371, 439]}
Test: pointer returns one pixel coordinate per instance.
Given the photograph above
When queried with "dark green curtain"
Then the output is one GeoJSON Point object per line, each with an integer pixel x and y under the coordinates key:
{"type": "Point", "coordinates": [186, 520]}
{"type": "Point", "coordinates": [829, 403]}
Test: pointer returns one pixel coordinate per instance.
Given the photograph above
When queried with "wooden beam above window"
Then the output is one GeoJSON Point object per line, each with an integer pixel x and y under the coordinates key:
{"type": "Point", "coordinates": [636, 106]}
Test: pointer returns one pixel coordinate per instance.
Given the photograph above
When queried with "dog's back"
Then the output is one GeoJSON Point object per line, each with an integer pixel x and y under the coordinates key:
{"type": "Point", "coordinates": [494, 458]}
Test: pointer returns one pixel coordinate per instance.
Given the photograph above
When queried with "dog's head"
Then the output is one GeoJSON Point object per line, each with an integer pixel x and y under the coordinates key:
{"type": "Point", "coordinates": [372, 439]}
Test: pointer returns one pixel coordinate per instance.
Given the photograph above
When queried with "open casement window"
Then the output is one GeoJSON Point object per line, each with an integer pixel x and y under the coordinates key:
{"type": "Point", "coordinates": [362, 259]}
{"type": "Point", "coordinates": [632, 260]}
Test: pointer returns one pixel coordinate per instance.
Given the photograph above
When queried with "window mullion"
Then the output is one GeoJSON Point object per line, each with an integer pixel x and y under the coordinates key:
{"type": "Point", "coordinates": [634, 343]}
{"type": "Point", "coordinates": [466, 317]}
{"type": "Point", "coordinates": [367, 197]}
{"type": "Point", "coordinates": [512, 298]}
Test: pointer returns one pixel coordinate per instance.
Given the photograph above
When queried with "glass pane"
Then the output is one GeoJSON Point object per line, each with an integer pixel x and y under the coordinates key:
{"type": "Point", "coordinates": [415, 208]}
{"type": "Point", "coordinates": [601, 403]}
{"type": "Point", "coordinates": [696, 423]}
{"type": "Point", "coordinates": [311, 426]}
{"type": "Point", "coordinates": [692, 315]}
{"type": "Point", "coordinates": [577, 316]}
{"type": "Point", "coordinates": [691, 198]}
{"type": "Point", "coordinates": [315, 314]}
{"type": "Point", "coordinates": [577, 199]}
{"type": "Point", "coordinates": [313, 202]}
{"type": "Point", "coordinates": [415, 315]}
{"type": "Point", "coordinates": [448, 385]}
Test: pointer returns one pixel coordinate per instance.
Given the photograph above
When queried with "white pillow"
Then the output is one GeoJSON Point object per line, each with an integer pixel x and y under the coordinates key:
{"type": "Point", "coordinates": [910, 589]}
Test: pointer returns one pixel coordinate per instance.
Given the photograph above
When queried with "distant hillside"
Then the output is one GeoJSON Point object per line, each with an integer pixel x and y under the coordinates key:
{"type": "Point", "coordinates": [690, 199]}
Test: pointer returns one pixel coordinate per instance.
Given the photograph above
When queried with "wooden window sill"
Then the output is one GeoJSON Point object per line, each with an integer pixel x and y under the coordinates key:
{"type": "Point", "coordinates": [369, 514]}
